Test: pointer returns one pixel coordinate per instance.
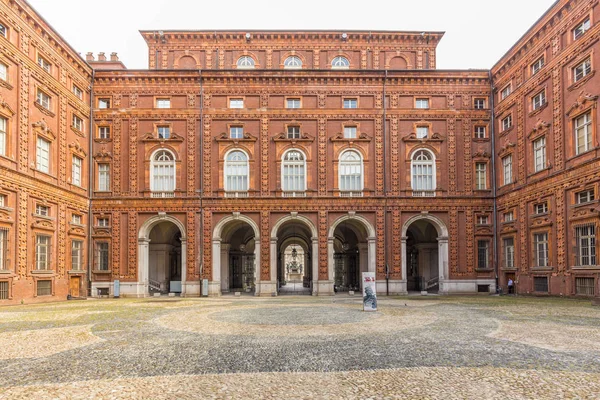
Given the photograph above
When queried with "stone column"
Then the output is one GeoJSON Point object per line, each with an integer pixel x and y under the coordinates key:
{"type": "Point", "coordinates": [273, 263]}
{"type": "Point", "coordinates": [372, 243]}
{"type": "Point", "coordinates": [183, 267]}
{"type": "Point", "coordinates": [315, 264]}
{"type": "Point", "coordinates": [217, 247]}
{"type": "Point", "coordinates": [143, 259]}
{"type": "Point", "coordinates": [443, 262]}
{"type": "Point", "coordinates": [330, 260]}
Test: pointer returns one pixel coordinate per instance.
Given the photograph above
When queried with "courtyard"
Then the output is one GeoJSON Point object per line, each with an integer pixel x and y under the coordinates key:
{"type": "Point", "coordinates": [295, 347]}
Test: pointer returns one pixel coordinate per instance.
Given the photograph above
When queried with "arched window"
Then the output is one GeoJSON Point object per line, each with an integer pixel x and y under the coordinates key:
{"type": "Point", "coordinates": [292, 62]}
{"type": "Point", "coordinates": [340, 62]}
{"type": "Point", "coordinates": [162, 171]}
{"type": "Point", "coordinates": [236, 171]}
{"type": "Point", "coordinates": [245, 62]}
{"type": "Point", "coordinates": [423, 171]}
{"type": "Point", "coordinates": [351, 171]}
{"type": "Point", "coordinates": [293, 171]}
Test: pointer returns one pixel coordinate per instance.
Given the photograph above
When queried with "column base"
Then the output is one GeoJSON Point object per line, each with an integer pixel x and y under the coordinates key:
{"type": "Point", "coordinates": [393, 287]}
{"type": "Point", "coordinates": [323, 288]}
{"type": "Point", "coordinates": [266, 289]}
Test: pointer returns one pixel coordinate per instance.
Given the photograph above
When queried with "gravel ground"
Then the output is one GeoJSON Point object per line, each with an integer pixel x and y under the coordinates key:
{"type": "Point", "coordinates": [302, 347]}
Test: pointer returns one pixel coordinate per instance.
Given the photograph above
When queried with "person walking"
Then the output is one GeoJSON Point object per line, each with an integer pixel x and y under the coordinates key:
{"type": "Point", "coordinates": [510, 285]}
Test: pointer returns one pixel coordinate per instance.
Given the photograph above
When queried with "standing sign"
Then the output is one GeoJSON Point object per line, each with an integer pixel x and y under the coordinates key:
{"type": "Point", "coordinates": [116, 288]}
{"type": "Point", "coordinates": [369, 292]}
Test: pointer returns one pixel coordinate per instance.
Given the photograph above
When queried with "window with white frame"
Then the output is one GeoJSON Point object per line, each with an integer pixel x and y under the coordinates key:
{"type": "Point", "coordinates": [507, 169]}
{"type": "Point", "coordinates": [76, 171]}
{"type": "Point", "coordinates": [236, 103]}
{"type": "Point", "coordinates": [103, 103]}
{"type": "Point", "coordinates": [351, 171]}
{"type": "Point", "coordinates": [506, 123]}
{"type": "Point", "coordinates": [45, 64]}
{"type": "Point", "coordinates": [583, 133]}
{"type": "Point", "coordinates": [3, 136]}
{"type": "Point", "coordinates": [538, 100]}
{"type": "Point", "coordinates": [421, 103]}
{"type": "Point", "coordinates": [102, 256]}
{"type": "Point", "coordinates": [102, 222]}
{"type": "Point", "coordinates": [350, 132]}
{"type": "Point", "coordinates": [540, 246]}
{"type": "Point", "coordinates": [293, 132]}
{"type": "Point", "coordinates": [3, 71]}
{"type": "Point", "coordinates": [3, 249]}
{"type": "Point", "coordinates": [163, 131]}
{"type": "Point", "coordinates": [43, 99]}
{"type": "Point", "coordinates": [508, 248]}
{"type": "Point", "coordinates": [236, 132]}
{"type": "Point", "coordinates": [505, 92]}
{"type": "Point", "coordinates": [293, 171]}
{"type": "Point", "coordinates": [584, 196]}
{"type": "Point", "coordinates": [483, 254]}
{"type": "Point", "coordinates": [350, 103]}
{"type": "Point", "coordinates": [3, 30]}
{"type": "Point", "coordinates": [162, 172]}
{"type": "Point", "coordinates": [479, 104]}
{"type": "Point", "coordinates": [480, 132]}
{"type": "Point", "coordinates": [508, 216]}
{"type": "Point", "coordinates": [585, 241]}
{"type": "Point", "coordinates": [2, 200]}
{"type": "Point", "coordinates": [163, 103]}
{"type": "Point", "coordinates": [582, 69]}
{"type": "Point", "coordinates": [422, 132]}
{"type": "Point", "coordinates": [481, 176]}
{"type": "Point", "coordinates": [42, 252]}
{"type": "Point", "coordinates": [103, 177]}
{"type": "Point", "coordinates": [78, 92]}
{"type": "Point", "coordinates": [293, 103]}
{"type": "Point", "coordinates": [292, 62]}
{"type": "Point", "coordinates": [76, 255]}
{"type": "Point", "coordinates": [423, 171]}
{"type": "Point", "coordinates": [539, 153]}
{"type": "Point", "coordinates": [483, 220]}
{"type": "Point", "coordinates": [104, 132]}
{"type": "Point", "coordinates": [581, 28]}
{"type": "Point", "coordinates": [43, 155]}
{"type": "Point", "coordinates": [76, 219]}
{"type": "Point", "coordinates": [245, 62]}
{"type": "Point", "coordinates": [540, 208]}
{"type": "Point", "coordinates": [537, 65]}
{"type": "Point", "coordinates": [77, 123]}
{"type": "Point", "coordinates": [340, 62]}
{"type": "Point", "coordinates": [42, 210]}
{"type": "Point", "coordinates": [236, 171]}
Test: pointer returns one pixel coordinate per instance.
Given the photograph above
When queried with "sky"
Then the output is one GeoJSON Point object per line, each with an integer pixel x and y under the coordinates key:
{"type": "Point", "coordinates": [478, 32]}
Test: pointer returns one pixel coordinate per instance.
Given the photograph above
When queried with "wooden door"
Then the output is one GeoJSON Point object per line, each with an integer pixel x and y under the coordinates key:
{"type": "Point", "coordinates": [75, 282]}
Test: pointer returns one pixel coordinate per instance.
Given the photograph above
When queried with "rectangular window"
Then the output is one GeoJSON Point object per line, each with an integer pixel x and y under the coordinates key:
{"type": "Point", "coordinates": [104, 132]}
{"type": "Point", "coordinates": [43, 99]}
{"type": "Point", "coordinates": [480, 132]}
{"type": "Point", "coordinates": [422, 103]}
{"type": "Point", "coordinates": [163, 103]}
{"type": "Point", "coordinates": [77, 123]}
{"type": "Point", "coordinates": [483, 220]}
{"type": "Point", "coordinates": [508, 216]}
{"type": "Point", "coordinates": [3, 123]}
{"type": "Point", "coordinates": [2, 200]}
{"type": "Point", "coordinates": [505, 92]}
{"type": "Point", "coordinates": [422, 132]}
{"type": "Point", "coordinates": [293, 132]}
{"type": "Point", "coordinates": [4, 290]}
{"type": "Point", "coordinates": [45, 64]}
{"type": "Point", "coordinates": [3, 249]}
{"type": "Point", "coordinates": [163, 131]}
{"type": "Point", "coordinates": [350, 103]}
{"type": "Point", "coordinates": [76, 171]}
{"type": "Point", "coordinates": [540, 208]}
{"type": "Point", "coordinates": [42, 253]}
{"type": "Point", "coordinates": [42, 210]}
{"type": "Point", "coordinates": [102, 256]}
{"type": "Point", "coordinates": [236, 132]}
{"type": "Point", "coordinates": [584, 196]}
{"type": "Point", "coordinates": [350, 132]}
{"type": "Point", "coordinates": [540, 284]}
{"type": "Point", "coordinates": [78, 92]}
{"type": "Point", "coordinates": [103, 177]}
{"type": "Point", "coordinates": [293, 103]}
{"type": "Point", "coordinates": [538, 100]}
{"type": "Point", "coordinates": [539, 153]}
{"type": "Point", "coordinates": [585, 241]}
{"type": "Point", "coordinates": [102, 222]}
{"type": "Point", "coordinates": [3, 30]}
{"type": "Point", "coordinates": [103, 103]}
{"type": "Point", "coordinates": [3, 72]}
{"type": "Point", "coordinates": [483, 254]}
{"type": "Point", "coordinates": [43, 155]}
{"type": "Point", "coordinates": [481, 176]}
{"type": "Point", "coordinates": [236, 103]}
{"type": "Point", "coordinates": [508, 248]}
{"type": "Point", "coordinates": [540, 248]}
{"type": "Point", "coordinates": [537, 65]}
{"type": "Point", "coordinates": [584, 286]}
{"type": "Point", "coordinates": [507, 169]}
{"type": "Point", "coordinates": [582, 70]}
{"type": "Point", "coordinates": [76, 219]}
{"type": "Point", "coordinates": [44, 288]}
{"type": "Point", "coordinates": [581, 28]}
{"type": "Point", "coordinates": [583, 132]}
{"type": "Point", "coordinates": [479, 104]}
{"type": "Point", "coordinates": [76, 255]}
{"type": "Point", "coordinates": [507, 122]}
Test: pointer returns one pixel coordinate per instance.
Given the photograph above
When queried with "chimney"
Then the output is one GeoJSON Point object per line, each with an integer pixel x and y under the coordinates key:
{"type": "Point", "coordinates": [101, 57]}
{"type": "Point", "coordinates": [114, 57]}
{"type": "Point", "coordinates": [89, 56]}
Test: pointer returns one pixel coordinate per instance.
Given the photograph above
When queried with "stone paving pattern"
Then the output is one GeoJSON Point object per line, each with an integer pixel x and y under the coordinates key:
{"type": "Point", "coordinates": [302, 347]}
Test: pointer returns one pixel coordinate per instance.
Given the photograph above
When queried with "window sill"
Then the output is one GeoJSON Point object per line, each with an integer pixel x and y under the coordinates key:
{"type": "Point", "coordinates": [533, 174]}
{"type": "Point", "coordinates": [542, 269]}
{"type": "Point", "coordinates": [582, 153]}
{"type": "Point", "coordinates": [78, 131]}
{"type": "Point", "coordinates": [483, 270]}
{"type": "Point", "coordinates": [101, 272]}
{"type": "Point", "coordinates": [582, 81]}
{"type": "Point", "coordinates": [76, 272]}
{"type": "Point", "coordinates": [585, 267]}
{"type": "Point", "coordinates": [538, 110]}
{"type": "Point", "coordinates": [43, 109]}
{"type": "Point", "coordinates": [42, 271]}
{"type": "Point", "coordinates": [5, 84]}
{"type": "Point", "coordinates": [506, 131]}
{"type": "Point", "coordinates": [5, 272]}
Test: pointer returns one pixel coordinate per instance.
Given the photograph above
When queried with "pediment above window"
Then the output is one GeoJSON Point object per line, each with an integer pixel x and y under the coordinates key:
{"type": "Point", "coordinates": [304, 137]}
{"type": "Point", "coordinates": [361, 137]}
{"type": "Point", "coordinates": [43, 224]}
{"type": "Point", "coordinates": [76, 148]}
{"type": "Point", "coordinates": [152, 137]}
{"type": "Point", "coordinates": [103, 155]}
{"type": "Point", "coordinates": [582, 103]}
{"type": "Point", "coordinates": [224, 137]}
{"type": "Point", "coordinates": [540, 128]}
{"type": "Point", "coordinates": [435, 137]}
{"type": "Point", "coordinates": [482, 154]}
{"type": "Point", "coordinates": [5, 109]}
{"type": "Point", "coordinates": [506, 149]}
{"type": "Point", "coordinates": [41, 128]}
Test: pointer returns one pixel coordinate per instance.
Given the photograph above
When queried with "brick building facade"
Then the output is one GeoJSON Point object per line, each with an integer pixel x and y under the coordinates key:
{"type": "Point", "coordinates": [263, 161]}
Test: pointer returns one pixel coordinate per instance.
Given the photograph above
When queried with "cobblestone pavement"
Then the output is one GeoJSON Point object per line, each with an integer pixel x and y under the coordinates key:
{"type": "Point", "coordinates": [302, 347]}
